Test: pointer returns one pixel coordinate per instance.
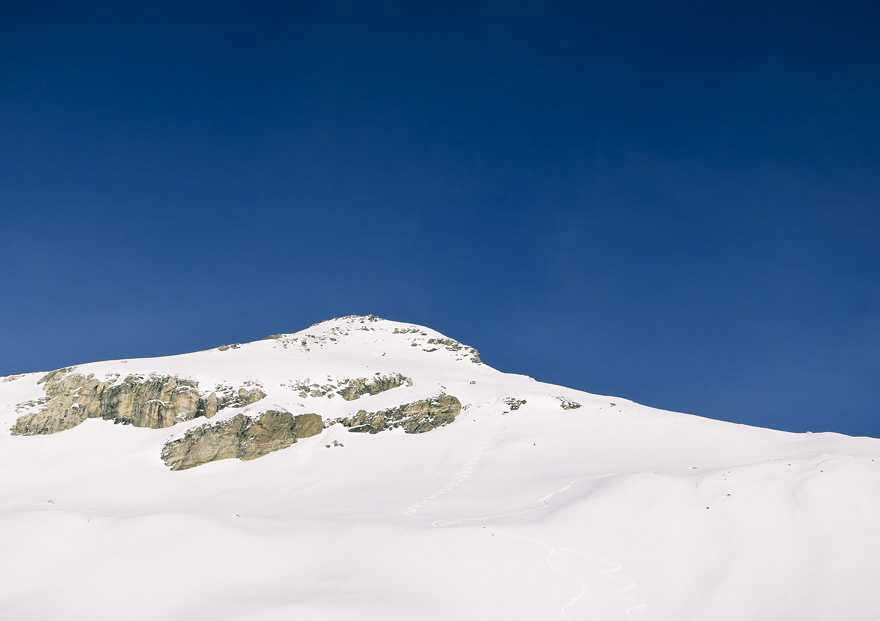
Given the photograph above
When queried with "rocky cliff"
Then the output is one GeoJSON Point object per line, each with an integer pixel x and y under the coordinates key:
{"type": "Point", "coordinates": [351, 389]}
{"type": "Point", "coordinates": [241, 436]}
{"type": "Point", "coordinates": [305, 382]}
{"type": "Point", "coordinates": [154, 401]}
{"type": "Point", "coordinates": [416, 417]}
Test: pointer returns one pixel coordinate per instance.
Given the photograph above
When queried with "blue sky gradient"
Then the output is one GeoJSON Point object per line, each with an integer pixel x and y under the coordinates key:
{"type": "Point", "coordinates": [675, 203]}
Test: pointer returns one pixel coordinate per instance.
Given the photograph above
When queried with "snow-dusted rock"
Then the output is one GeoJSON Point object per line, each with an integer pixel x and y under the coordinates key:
{"type": "Point", "coordinates": [416, 417]}
{"type": "Point", "coordinates": [154, 401]}
{"type": "Point", "coordinates": [241, 436]}
{"type": "Point", "coordinates": [537, 502]}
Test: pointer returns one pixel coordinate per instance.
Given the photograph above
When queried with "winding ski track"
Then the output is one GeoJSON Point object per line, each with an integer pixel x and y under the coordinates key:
{"type": "Point", "coordinates": [474, 457]}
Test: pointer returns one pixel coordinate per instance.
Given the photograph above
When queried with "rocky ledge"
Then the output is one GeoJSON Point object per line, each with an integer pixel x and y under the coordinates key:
{"type": "Point", "coordinates": [241, 436]}
{"type": "Point", "coordinates": [154, 401]}
{"type": "Point", "coordinates": [351, 389]}
{"type": "Point", "coordinates": [416, 417]}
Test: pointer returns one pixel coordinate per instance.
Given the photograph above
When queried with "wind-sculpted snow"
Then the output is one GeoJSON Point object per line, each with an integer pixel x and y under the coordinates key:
{"type": "Point", "coordinates": [524, 501]}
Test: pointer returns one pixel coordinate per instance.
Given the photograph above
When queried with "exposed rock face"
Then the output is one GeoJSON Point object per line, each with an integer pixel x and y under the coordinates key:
{"type": "Point", "coordinates": [153, 401]}
{"type": "Point", "coordinates": [452, 345]}
{"type": "Point", "coordinates": [351, 389]}
{"type": "Point", "coordinates": [228, 398]}
{"type": "Point", "coordinates": [513, 403]}
{"type": "Point", "coordinates": [241, 437]}
{"type": "Point", "coordinates": [417, 417]}
{"type": "Point", "coordinates": [52, 376]}
{"type": "Point", "coordinates": [362, 386]}
{"type": "Point", "coordinates": [568, 404]}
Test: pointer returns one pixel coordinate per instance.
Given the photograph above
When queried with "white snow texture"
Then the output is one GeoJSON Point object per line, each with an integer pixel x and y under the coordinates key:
{"type": "Point", "coordinates": [610, 511]}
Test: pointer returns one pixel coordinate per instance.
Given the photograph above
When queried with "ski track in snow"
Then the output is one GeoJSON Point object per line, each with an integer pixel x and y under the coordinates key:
{"type": "Point", "coordinates": [466, 470]}
{"type": "Point", "coordinates": [478, 450]}
{"type": "Point", "coordinates": [84, 487]}
{"type": "Point", "coordinates": [628, 585]}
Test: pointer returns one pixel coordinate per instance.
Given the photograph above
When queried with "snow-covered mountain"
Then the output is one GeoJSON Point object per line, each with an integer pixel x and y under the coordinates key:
{"type": "Point", "coordinates": [370, 469]}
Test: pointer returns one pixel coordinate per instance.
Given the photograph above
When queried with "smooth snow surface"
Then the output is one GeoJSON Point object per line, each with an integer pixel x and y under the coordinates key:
{"type": "Point", "coordinates": [609, 511]}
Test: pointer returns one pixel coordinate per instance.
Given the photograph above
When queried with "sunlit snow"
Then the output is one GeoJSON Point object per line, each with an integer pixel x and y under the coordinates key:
{"type": "Point", "coordinates": [611, 510]}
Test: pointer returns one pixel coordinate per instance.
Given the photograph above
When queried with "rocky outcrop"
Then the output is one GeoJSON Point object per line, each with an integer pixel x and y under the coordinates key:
{"type": "Point", "coordinates": [513, 403]}
{"type": "Point", "coordinates": [241, 436]}
{"type": "Point", "coordinates": [52, 376]}
{"type": "Point", "coordinates": [228, 397]}
{"type": "Point", "coordinates": [144, 402]}
{"type": "Point", "coordinates": [416, 417]}
{"type": "Point", "coordinates": [154, 401]}
{"type": "Point", "coordinates": [351, 389]}
{"type": "Point", "coordinates": [455, 346]}
{"type": "Point", "coordinates": [362, 386]}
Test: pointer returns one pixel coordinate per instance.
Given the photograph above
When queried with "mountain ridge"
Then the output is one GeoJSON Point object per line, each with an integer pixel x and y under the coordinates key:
{"type": "Point", "coordinates": [532, 501]}
{"type": "Point", "coordinates": [279, 380]}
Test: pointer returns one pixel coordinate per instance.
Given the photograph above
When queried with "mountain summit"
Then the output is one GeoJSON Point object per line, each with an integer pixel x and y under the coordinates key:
{"type": "Point", "coordinates": [370, 469]}
{"type": "Point", "coordinates": [247, 400]}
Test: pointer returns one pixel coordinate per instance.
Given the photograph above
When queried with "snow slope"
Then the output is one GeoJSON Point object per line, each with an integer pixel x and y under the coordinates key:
{"type": "Point", "coordinates": [612, 510]}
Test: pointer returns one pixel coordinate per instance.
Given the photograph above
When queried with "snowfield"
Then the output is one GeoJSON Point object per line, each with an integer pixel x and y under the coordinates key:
{"type": "Point", "coordinates": [521, 509]}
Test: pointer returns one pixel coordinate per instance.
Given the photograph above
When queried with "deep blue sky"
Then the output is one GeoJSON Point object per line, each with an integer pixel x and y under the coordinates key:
{"type": "Point", "coordinates": [676, 203]}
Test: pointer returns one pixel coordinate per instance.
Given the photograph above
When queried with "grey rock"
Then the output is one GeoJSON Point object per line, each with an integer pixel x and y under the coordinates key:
{"type": "Point", "coordinates": [568, 404]}
{"type": "Point", "coordinates": [211, 405]}
{"type": "Point", "coordinates": [452, 345]}
{"type": "Point", "coordinates": [241, 437]}
{"type": "Point", "coordinates": [416, 417]}
{"type": "Point", "coordinates": [53, 375]}
{"type": "Point", "coordinates": [351, 389]}
{"type": "Point", "coordinates": [155, 401]}
{"type": "Point", "coordinates": [355, 388]}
